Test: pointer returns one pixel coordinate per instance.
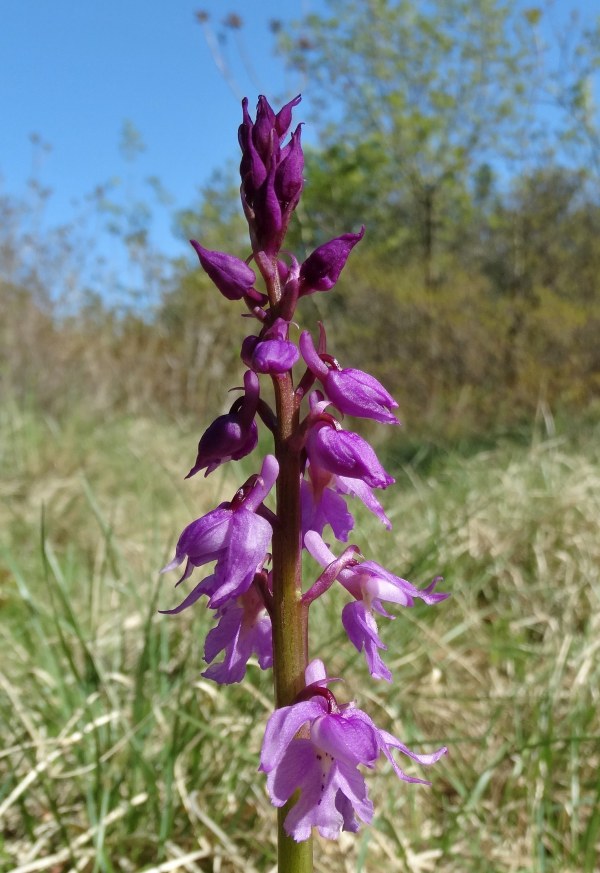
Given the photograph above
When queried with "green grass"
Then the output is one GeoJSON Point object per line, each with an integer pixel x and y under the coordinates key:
{"type": "Point", "coordinates": [115, 754]}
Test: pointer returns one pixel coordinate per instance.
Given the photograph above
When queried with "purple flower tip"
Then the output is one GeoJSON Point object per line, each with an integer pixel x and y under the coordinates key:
{"type": "Point", "coordinates": [232, 276]}
{"type": "Point", "coordinates": [321, 270]}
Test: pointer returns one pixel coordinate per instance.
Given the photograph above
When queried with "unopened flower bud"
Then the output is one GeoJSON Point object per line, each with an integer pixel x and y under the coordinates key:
{"type": "Point", "coordinates": [232, 276]}
{"type": "Point", "coordinates": [283, 119]}
{"type": "Point", "coordinates": [272, 353]}
{"type": "Point", "coordinates": [288, 178]}
{"type": "Point", "coordinates": [321, 270]}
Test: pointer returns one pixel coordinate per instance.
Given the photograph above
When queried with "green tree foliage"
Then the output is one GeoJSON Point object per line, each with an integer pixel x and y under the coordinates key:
{"type": "Point", "coordinates": [429, 91]}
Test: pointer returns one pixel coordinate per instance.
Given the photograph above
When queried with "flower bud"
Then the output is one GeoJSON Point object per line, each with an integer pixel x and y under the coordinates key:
{"type": "Point", "coordinates": [272, 353]}
{"type": "Point", "coordinates": [288, 177]}
{"type": "Point", "coordinates": [232, 436]}
{"type": "Point", "coordinates": [321, 270]}
{"type": "Point", "coordinates": [283, 119]}
{"type": "Point", "coordinates": [232, 276]}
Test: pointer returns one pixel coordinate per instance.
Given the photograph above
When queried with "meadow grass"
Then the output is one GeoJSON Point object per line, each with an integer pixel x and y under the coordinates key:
{"type": "Point", "coordinates": [116, 755]}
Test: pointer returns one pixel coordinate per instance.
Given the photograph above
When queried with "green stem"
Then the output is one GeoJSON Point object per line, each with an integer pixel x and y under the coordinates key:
{"type": "Point", "coordinates": [290, 635]}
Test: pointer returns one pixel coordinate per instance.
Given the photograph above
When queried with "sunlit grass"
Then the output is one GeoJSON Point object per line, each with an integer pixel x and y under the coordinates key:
{"type": "Point", "coordinates": [117, 756]}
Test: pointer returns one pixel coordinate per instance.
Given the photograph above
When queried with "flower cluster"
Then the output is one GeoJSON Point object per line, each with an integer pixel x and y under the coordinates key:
{"type": "Point", "coordinates": [313, 745]}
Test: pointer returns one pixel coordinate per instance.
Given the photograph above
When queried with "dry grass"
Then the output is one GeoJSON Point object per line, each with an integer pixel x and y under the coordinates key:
{"type": "Point", "coordinates": [116, 754]}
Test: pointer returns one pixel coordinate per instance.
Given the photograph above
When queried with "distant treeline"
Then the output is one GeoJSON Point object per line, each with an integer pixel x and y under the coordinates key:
{"type": "Point", "coordinates": [512, 319]}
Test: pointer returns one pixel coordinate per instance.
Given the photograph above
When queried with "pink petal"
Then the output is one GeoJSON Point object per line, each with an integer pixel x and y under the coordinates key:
{"type": "Point", "coordinates": [282, 727]}
{"type": "Point", "coordinates": [345, 739]}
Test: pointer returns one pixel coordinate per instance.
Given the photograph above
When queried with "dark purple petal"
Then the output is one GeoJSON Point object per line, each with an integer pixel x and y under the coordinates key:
{"type": "Point", "coordinates": [245, 128]}
{"type": "Point", "coordinates": [359, 394]}
{"type": "Point", "coordinates": [345, 454]}
{"type": "Point", "coordinates": [288, 178]}
{"type": "Point", "coordinates": [274, 357]}
{"type": "Point", "coordinates": [267, 212]}
{"type": "Point", "coordinates": [321, 270]}
{"type": "Point", "coordinates": [311, 356]}
{"type": "Point", "coordinates": [272, 354]}
{"type": "Point", "coordinates": [264, 132]}
{"type": "Point", "coordinates": [232, 436]}
{"type": "Point", "coordinates": [224, 440]}
{"type": "Point", "coordinates": [283, 119]}
{"type": "Point", "coordinates": [233, 277]}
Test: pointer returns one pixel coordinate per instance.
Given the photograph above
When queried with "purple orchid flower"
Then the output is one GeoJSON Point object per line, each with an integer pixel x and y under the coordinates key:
{"type": "Point", "coordinates": [343, 453]}
{"type": "Point", "coordinates": [231, 436]}
{"type": "Point", "coordinates": [353, 392]}
{"type": "Point", "coordinates": [271, 353]}
{"type": "Point", "coordinates": [369, 583]}
{"type": "Point", "coordinates": [324, 766]}
{"type": "Point", "coordinates": [322, 503]}
{"type": "Point", "coordinates": [321, 270]}
{"type": "Point", "coordinates": [234, 536]}
{"type": "Point", "coordinates": [244, 628]}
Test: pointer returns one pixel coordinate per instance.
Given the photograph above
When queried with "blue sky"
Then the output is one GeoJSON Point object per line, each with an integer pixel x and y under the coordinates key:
{"type": "Point", "coordinates": [75, 70]}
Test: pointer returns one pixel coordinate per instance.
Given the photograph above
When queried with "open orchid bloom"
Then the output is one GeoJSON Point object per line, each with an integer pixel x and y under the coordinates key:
{"type": "Point", "coordinates": [322, 761]}
{"type": "Point", "coordinates": [234, 536]}
{"type": "Point", "coordinates": [369, 584]}
{"type": "Point", "coordinates": [346, 454]}
{"type": "Point", "coordinates": [323, 504]}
